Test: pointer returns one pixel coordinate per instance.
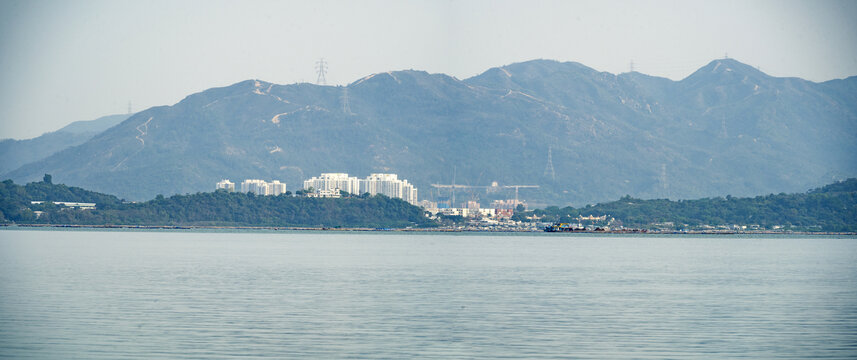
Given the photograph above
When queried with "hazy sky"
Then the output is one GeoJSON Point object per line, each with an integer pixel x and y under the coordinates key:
{"type": "Point", "coordinates": [63, 61]}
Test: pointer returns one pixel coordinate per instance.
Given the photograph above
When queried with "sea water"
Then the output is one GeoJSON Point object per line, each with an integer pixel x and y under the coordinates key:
{"type": "Point", "coordinates": [205, 295]}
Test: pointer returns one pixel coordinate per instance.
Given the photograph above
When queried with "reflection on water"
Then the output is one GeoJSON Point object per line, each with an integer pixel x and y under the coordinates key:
{"type": "Point", "coordinates": [122, 294]}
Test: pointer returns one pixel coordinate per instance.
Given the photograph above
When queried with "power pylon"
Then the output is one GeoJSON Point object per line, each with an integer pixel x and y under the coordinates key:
{"type": "Point", "coordinates": [549, 168]}
{"type": "Point", "coordinates": [321, 68]}
{"type": "Point", "coordinates": [664, 183]}
{"type": "Point", "coordinates": [346, 107]}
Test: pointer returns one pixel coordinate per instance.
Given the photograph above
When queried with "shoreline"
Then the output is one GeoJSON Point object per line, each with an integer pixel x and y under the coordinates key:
{"type": "Point", "coordinates": [427, 230]}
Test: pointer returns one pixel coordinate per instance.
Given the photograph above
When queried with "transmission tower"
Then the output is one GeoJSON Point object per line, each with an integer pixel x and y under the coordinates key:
{"type": "Point", "coordinates": [129, 108]}
{"type": "Point", "coordinates": [664, 183]}
{"type": "Point", "coordinates": [321, 69]}
{"type": "Point", "coordinates": [549, 168]}
{"type": "Point", "coordinates": [632, 66]}
{"type": "Point", "coordinates": [453, 187]}
{"type": "Point", "coordinates": [346, 108]}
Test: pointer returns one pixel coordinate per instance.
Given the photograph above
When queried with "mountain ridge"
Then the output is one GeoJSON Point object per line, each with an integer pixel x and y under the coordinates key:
{"type": "Point", "coordinates": [15, 153]}
{"type": "Point", "coordinates": [610, 135]}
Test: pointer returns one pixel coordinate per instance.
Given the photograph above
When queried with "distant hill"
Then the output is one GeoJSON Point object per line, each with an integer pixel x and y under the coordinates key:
{"type": "Point", "coordinates": [218, 208]}
{"type": "Point", "coordinates": [727, 129]}
{"type": "Point", "coordinates": [15, 199]}
{"type": "Point", "coordinates": [14, 153]}
{"type": "Point", "coordinates": [830, 208]}
{"type": "Point", "coordinates": [94, 126]}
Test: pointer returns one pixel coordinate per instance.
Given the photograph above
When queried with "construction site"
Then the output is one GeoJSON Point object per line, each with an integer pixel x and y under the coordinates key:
{"type": "Point", "coordinates": [466, 200]}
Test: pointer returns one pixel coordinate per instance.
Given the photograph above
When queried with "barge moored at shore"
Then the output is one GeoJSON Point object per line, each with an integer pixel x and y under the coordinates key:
{"type": "Point", "coordinates": [563, 227]}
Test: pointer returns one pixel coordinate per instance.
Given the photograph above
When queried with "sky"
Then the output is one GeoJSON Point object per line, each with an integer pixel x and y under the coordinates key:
{"type": "Point", "coordinates": [64, 61]}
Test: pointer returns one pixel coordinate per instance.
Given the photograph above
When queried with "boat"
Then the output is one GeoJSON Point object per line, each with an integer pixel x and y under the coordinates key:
{"type": "Point", "coordinates": [563, 227]}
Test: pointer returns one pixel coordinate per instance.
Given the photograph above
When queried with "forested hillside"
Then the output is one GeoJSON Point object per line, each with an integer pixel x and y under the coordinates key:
{"type": "Point", "coordinates": [206, 209]}
{"type": "Point", "coordinates": [829, 208]}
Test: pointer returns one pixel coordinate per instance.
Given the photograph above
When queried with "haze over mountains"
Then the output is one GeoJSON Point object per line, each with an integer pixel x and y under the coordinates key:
{"type": "Point", "coordinates": [14, 153]}
{"type": "Point", "coordinates": [725, 129]}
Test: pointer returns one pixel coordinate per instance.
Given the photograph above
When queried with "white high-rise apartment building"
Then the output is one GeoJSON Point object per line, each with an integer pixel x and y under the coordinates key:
{"type": "Point", "coordinates": [261, 187]}
{"type": "Point", "coordinates": [389, 185]}
{"type": "Point", "coordinates": [277, 187]}
{"type": "Point", "coordinates": [256, 186]}
{"type": "Point", "coordinates": [334, 181]}
{"type": "Point", "coordinates": [225, 184]}
{"type": "Point", "coordinates": [386, 184]}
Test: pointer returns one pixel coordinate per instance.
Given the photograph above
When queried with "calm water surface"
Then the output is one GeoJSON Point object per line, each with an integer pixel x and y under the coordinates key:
{"type": "Point", "coordinates": [123, 294]}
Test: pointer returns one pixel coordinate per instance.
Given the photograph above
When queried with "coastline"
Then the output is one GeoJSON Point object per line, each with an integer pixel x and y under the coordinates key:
{"type": "Point", "coordinates": [420, 230]}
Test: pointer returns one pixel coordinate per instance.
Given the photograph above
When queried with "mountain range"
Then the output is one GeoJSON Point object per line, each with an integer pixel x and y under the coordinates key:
{"type": "Point", "coordinates": [582, 135]}
{"type": "Point", "coordinates": [14, 153]}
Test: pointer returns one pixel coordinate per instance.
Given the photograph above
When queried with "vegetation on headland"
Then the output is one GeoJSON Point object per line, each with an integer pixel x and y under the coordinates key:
{"type": "Point", "coordinates": [832, 208]}
{"type": "Point", "coordinates": [829, 208]}
{"type": "Point", "coordinates": [218, 208]}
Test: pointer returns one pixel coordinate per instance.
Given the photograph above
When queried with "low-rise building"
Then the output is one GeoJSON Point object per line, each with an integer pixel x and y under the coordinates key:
{"type": "Point", "coordinates": [508, 204]}
{"type": "Point", "coordinates": [68, 204]}
{"type": "Point", "coordinates": [467, 212]}
{"type": "Point", "coordinates": [325, 193]}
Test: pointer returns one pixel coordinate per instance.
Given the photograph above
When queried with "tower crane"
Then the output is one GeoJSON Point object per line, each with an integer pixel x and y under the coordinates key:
{"type": "Point", "coordinates": [518, 187]}
{"type": "Point", "coordinates": [493, 186]}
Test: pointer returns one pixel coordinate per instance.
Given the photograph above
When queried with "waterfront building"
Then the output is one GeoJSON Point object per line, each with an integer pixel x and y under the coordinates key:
{"type": "Point", "coordinates": [488, 213]}
{"type": "Point", "coordinates": [453, 212]}
{"type": "Point", "coordinates": [225, 184]}
{"type": "Point", "coordinates": [467, 212]}
{"type": "Point", "coordinates": [74, 205]}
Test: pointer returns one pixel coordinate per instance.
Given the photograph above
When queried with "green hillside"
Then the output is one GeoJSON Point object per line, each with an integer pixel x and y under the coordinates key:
{"type": "Point", "coordinates": [829, 208]}
{"type": "Point", "coordinates": [205, 209]}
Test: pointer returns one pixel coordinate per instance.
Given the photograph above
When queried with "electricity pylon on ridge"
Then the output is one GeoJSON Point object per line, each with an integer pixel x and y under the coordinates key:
{"type": "Point", "coordinates": [346, 107]}
{"type": "Point", "coordinates": [549, 168]}
{"type": "Point", "coordinates": [321, 69]}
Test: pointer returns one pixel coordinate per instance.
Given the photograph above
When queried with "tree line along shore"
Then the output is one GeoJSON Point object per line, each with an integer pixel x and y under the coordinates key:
{"type": "Point", "coordinates": [829, 209]}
